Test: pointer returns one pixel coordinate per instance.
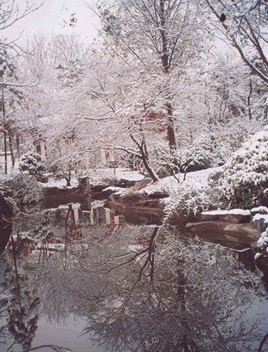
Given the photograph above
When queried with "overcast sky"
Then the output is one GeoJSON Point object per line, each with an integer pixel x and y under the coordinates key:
{"type": "Point", "coordinates": [50, 19]}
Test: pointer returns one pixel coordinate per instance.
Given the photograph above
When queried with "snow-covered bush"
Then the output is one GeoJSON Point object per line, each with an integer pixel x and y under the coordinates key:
{"type": "Point", "coordinates": [26, 192]}
{"type": "Point", "coordinates": [32, 164]}
{"type": "Point", "coordinates": [244, 179]}
{"type": "Point", "coordinates": [187, 200]}
{"type": "Point", "coordinates": [261, 256]}
{"type": "Point", "coordinates": [188, 158]}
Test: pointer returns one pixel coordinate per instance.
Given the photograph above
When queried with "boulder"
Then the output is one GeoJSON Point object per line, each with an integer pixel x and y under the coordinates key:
{"type": "Point", "coordinates": [223, 232]}
{"type": "Point", "coordinates": [141, 184]}
{"type": "Point", "coordinates": [234, 216]}
{"type": "Point", "coordinates": [137, 208]}
{"type": "Point", "coordinates": [260, 222]}
{"type": "Point", "coordinates": [158, 195]}
{"type": "Point", "coordinates": [133, 199]}
{"type": "Point", "coordinates": [259, 218]}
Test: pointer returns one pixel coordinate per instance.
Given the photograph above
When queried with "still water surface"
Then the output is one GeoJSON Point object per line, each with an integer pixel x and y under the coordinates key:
{"type": "Point", "coordinates": [124, 288]}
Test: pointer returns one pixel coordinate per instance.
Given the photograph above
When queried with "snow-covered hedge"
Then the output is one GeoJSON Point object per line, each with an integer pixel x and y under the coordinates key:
{"type": "Point", "coordinates": [26, 192]}
{"type": "Point", "coordinates": [244, 180]}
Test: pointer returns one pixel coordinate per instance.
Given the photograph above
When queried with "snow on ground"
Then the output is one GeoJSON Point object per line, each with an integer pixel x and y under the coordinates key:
{"type": "Point", "coordinates": [60, 183]}
{"type": "Point", "coordinates": [100, 175]}
{"type": "Point", "coordinates": [198, 179]}
{"type": "Point", "coordinates": [225, 212]}
{"type": "Point", "coordinates": [114, 189]}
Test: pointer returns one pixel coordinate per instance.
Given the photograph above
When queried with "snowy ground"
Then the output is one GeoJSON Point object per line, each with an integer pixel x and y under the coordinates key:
{"type": "Point", "coordinates": [198, 179]}
{"type": "Point", "coordinates": [101, 175]}
{"type": "Point", "coordinates": [98, 177]}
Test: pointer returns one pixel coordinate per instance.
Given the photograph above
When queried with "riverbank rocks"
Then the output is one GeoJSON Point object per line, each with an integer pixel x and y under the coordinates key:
{"type": "Point", "coordinates": [141, 184]}
{"type": "Point", "coordinates": [260, 221]}
{"type": "Point", "coordinates": [237, 236]}
{"type": "Point", "coordinates": [231, 228]}
{"type": "Point", "coordinates": [259, 218]}
{"type": "Point", "coordinates": [137, 208]}
{"type": "Point", "coordinates": [234, 216]}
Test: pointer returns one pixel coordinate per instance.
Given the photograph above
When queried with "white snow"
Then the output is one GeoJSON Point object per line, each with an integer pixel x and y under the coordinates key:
{"type": "Point", "coordinates": [114, 189]}
{"type": "Point", "coordinates": [199, 179]}
{"type": "Point", "coordinates": [259, 209]}
{"type": "Point", "coordinates": [98, 176]}
{"type": "Point", "coordinates": [263, 240]}
{"type": "Point", "coordinates": [257, 255]}
{"type": "Point", "coordinates": [259, 217]}
{"type": "Point", "coordinates": [226, 212]}
{"type": "Point", "coordinates": [59, 183]}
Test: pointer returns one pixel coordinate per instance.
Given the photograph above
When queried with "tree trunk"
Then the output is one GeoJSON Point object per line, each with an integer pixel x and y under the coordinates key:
{"type": "Point", "coordinates": [18, 145]}
{"type": "Point", "coordinates": [68, 178]}
{"type": "Point", "coordinates": [11, 147]}
{"type": "Point", "coordinates": [249, 98]}
{"type": "Point", "coordinates": [166, 64]}
{"type": "Point", "coordinates": [170, 129]}
{"type": "Point", "coordinates": [144, 156]}
{"type": "Point", "coordinates": [5, 150]}
{"type": "Point", "coordinates": [4, 126]}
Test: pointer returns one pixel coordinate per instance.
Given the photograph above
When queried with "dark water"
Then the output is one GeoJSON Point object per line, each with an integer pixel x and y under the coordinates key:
{"type": "Point", "coordinates": [124, 288]}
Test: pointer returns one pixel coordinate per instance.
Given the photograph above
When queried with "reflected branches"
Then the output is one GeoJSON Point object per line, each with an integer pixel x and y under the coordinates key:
{"type": "Point", "coordinates": [149, 289]}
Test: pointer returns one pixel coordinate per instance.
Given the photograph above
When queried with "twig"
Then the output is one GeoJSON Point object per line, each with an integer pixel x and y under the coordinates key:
{"type": "Point", "coordinates": [265, 337]}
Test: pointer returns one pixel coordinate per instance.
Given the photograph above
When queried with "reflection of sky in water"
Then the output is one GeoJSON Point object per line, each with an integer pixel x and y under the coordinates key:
{"type": "Point", "coordinates": [65, 335]}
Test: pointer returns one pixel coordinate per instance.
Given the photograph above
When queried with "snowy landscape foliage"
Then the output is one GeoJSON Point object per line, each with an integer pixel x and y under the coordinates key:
{"type": "Point", "coordinates": [32, 164]}
{"type": "Point", "coordinates": [244, 180]}
{"type": "Point", "coordinates": [26, 191]}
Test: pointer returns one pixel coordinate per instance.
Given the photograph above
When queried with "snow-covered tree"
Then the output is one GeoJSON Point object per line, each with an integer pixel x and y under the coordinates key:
{"type": "Point", "coordinates": [244, 180]}
{"type": "Point", "coordinates": [243, 24]}
{"type": "Point", "coordinates": [158, 35]}
{"type": "Point", "coordinates": [32, 164]}
{"type": "Point", "coordinates": [55, 110]}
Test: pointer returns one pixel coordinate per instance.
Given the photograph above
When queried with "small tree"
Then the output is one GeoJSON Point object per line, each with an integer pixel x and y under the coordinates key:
{"type": "Point", "coordinates": [32, 164]}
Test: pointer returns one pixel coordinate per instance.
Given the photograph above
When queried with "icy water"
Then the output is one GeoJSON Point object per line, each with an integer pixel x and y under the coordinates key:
{"type": "Point", "coordinates": [98, 284]}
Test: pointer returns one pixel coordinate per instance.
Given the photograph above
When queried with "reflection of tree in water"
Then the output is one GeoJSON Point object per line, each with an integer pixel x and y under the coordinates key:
{"type": "Point", "coordinates": [20, 303]}
{"type": "Point", "coordinates": [164, 294]}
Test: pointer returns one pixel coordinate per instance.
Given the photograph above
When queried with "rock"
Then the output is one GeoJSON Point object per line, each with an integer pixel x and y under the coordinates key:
{"type": "Point", "coordinates": [141, 184]}
{"type": "Point", "coordinates": [234, 216]}
{"type": "Point", "coordinates": [123, 183]}
{"type": "Point", "coordinates": [158, 195]}
{"type": "Point", "coordinates": [259, 210]}
{"type": "Point", "coordinates": [220, 232]}
{"type": "Point", "coordinates": [133, 199]}
{"type": "Point", "coordinates": [137, 208]}
{"type": "Point", "coordinates": [260, 221]}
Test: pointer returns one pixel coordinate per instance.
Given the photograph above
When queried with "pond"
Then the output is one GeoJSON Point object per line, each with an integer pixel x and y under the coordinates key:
{"type": "Point", "coordinates": [88, 281]}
